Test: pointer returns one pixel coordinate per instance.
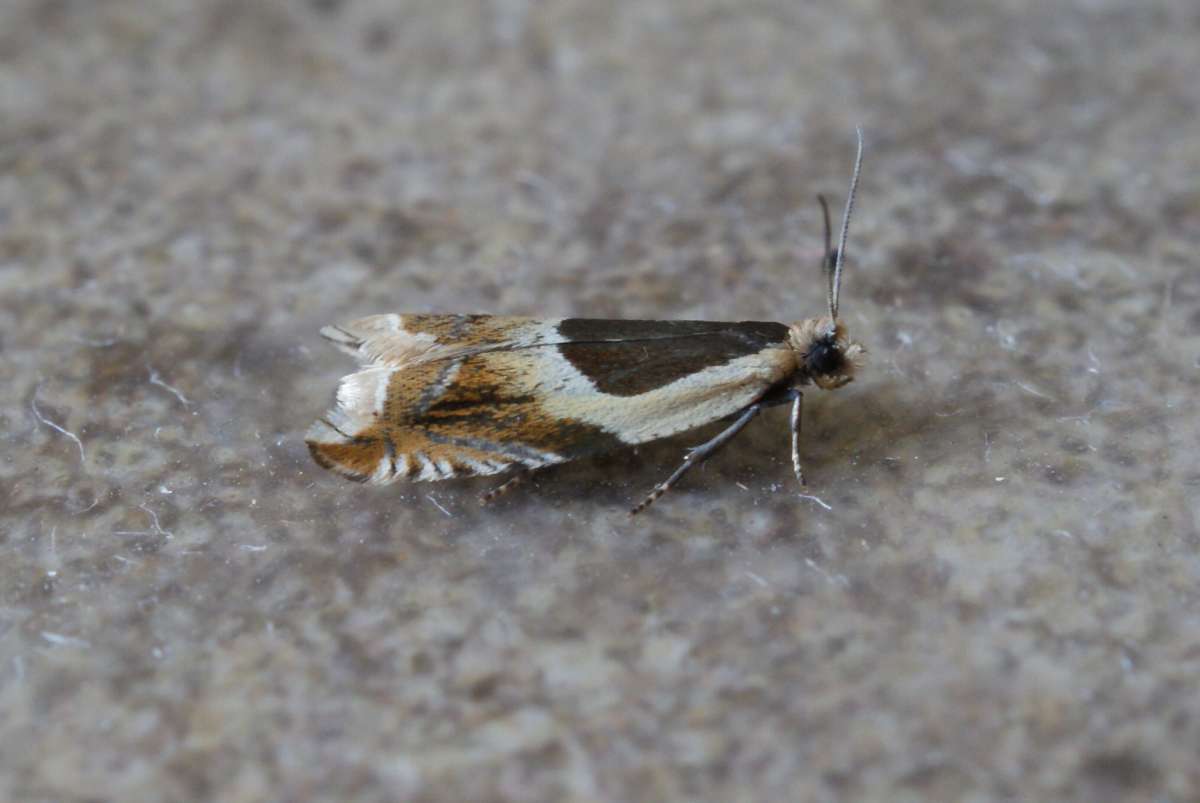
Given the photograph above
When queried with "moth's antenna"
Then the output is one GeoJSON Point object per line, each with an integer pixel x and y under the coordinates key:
{"type": "Point", "coordinates": [827, 262]}
{"type": "Point", "coordinates": [835, 282]}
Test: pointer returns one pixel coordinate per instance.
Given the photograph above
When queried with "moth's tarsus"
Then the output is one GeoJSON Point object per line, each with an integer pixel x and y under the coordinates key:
{"type": "Point", "coordinates": [506, 486]}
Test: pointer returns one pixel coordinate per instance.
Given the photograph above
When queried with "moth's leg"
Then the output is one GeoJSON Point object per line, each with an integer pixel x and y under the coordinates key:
{"type": "Point", "coordinates": [797, 402]}
{"type": "Point", "coordinates": [506, 486]}
{"type": "Point", "coordinates": [785, 395]}
{"type": "Point", "coordinates": [698, 455]}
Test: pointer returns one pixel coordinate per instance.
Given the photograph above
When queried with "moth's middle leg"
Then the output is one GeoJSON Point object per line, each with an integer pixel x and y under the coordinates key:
{"type": "Point", "coordinates": [699, 454]}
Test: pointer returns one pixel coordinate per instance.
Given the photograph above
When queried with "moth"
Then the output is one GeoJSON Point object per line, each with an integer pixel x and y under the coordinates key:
{"type": "Point", "coordinates": [444, 396]}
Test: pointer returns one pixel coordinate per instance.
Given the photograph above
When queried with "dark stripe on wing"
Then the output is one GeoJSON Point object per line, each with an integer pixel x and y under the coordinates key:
{"type": "Point", "coordinates": [627, 358]}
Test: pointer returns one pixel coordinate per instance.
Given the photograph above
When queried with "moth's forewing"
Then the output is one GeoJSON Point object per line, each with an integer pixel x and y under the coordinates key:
{"type": "Point", "coordinates": [447, 396]}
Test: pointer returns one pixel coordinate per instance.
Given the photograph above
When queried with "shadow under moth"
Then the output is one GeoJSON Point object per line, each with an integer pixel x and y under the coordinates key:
{"type": "Point", "coordinates": [444, 396]}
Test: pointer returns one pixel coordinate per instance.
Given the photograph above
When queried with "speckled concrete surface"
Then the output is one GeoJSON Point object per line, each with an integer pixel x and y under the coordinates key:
{"type": "Point", "coordinates": [994, 594]}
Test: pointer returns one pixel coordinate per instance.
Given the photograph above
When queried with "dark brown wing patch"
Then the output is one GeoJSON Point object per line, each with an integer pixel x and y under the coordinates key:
{"type": "Point", "coordinates": [627, 358]}
{"type": "Point", "coordinates": [485, 408]}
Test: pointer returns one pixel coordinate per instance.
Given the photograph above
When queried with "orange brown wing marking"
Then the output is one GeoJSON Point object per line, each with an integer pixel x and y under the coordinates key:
{"type": "Point", "coordinates": [355, 460]}
{"type": "Point", "coordinates": [464, 330]}
{"type": "Point", "coordinates": [469, 416]}
{"type": "Point", "coordinates": [494, 404]}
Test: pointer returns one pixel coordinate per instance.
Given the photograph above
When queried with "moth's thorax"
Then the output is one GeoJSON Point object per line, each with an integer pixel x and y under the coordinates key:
{"type": "Point", "coordinates": [825, 353]}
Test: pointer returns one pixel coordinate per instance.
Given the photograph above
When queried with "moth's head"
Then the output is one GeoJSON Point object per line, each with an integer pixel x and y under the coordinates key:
{"type": "Point", "coordinates": [825, 352]}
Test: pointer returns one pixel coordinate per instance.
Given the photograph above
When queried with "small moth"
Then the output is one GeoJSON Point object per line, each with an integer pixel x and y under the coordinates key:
{"type": "Point", "coordinates": [443, 396]}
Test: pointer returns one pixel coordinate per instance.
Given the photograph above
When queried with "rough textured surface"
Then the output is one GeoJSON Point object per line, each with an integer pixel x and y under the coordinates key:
{"type": "Point", "coordinates": [997, 595]}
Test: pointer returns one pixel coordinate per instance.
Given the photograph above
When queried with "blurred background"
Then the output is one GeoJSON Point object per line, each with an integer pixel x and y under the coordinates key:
{"type": "Point", "coordinates": [987, 591]}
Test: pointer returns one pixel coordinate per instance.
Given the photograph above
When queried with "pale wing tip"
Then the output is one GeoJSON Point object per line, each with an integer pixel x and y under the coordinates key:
{"type": "Point", "coordinates": [354, 335]}
{"type": "Point", "coordinates": [381, 339]}
{"type": "Point", "coordinates": [324, 432]}
{"type": "Point", "coordinates": [342, 339]}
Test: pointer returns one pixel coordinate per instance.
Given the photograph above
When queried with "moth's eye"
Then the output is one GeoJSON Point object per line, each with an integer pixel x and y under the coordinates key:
{"type": "Point", "coordinates": [823, 358]}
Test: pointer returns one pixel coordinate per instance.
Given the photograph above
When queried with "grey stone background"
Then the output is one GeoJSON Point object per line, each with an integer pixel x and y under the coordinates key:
{"type": "Point", "coordinates": [993, 593]}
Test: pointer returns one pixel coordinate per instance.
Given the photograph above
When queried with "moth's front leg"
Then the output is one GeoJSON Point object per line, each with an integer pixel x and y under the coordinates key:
{"type": "Point", "coordinates": [797, 404]}
{"type": "Point", "coordinates": [792, 394]}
